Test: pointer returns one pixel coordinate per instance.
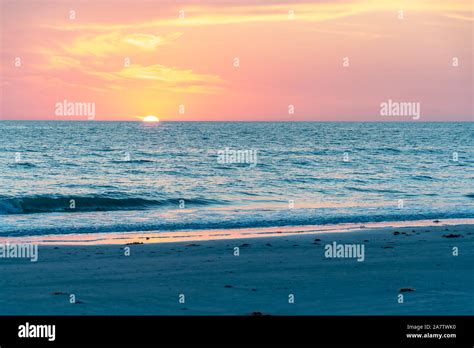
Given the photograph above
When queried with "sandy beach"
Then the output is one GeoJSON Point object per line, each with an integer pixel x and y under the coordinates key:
{"type": "Point", "coordinates": [279, 275]}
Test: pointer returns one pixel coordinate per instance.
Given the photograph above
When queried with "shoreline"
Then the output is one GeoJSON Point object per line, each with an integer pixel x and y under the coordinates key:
{"type": "Point", "coordinates": [113, 238]}
{"type": "Point", "coordinates": [416, 262]}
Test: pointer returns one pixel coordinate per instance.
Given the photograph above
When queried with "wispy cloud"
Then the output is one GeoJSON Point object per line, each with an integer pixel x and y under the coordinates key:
{"type": "Point", "coordinates": [163, 78]}
{"type": "Point", "coordinates": [460, 16]}
{"type": "Point", "coordinates": [74, 59]}
{"type": "Point", "coordinates": [228, 12]}
{"type": "Point", "coordinates": [105, 44]}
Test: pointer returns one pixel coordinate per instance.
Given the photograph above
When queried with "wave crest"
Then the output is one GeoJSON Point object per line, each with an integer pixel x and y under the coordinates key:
{"type": "Point", "coordinates": [62, 203]}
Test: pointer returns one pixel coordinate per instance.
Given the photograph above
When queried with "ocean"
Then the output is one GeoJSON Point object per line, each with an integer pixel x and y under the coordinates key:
{"type": "Point", "coordinates": [85, 177]}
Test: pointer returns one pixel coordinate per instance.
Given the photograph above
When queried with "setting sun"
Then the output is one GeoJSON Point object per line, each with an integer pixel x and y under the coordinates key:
{"type": "Point", "coordinates": [151, 118]}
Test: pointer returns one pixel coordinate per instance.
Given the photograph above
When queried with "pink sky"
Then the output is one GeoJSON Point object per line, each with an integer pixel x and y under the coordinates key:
{"type": "Point", "coordinates": [284, 60]}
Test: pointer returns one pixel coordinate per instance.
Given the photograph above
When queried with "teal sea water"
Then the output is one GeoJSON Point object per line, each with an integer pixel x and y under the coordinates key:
{"type": "Point", "coordinates": [79, 177]}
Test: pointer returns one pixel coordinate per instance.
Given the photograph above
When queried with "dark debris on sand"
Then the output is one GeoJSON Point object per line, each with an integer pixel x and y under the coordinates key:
{"type": "Point", "coordinates": [406, 290]}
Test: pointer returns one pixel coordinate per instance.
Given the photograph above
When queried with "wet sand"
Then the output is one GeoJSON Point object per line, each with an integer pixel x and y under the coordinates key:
{"type": "Point", "coordinates": [417, 262]}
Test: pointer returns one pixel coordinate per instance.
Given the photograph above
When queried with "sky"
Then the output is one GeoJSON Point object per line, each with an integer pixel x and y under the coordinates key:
{"type": "Point", "coordinates": [236, 60]}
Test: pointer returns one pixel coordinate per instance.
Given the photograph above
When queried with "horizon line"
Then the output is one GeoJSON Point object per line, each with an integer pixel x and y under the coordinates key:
{"type": "Point", "coordinates": [243, 121]}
